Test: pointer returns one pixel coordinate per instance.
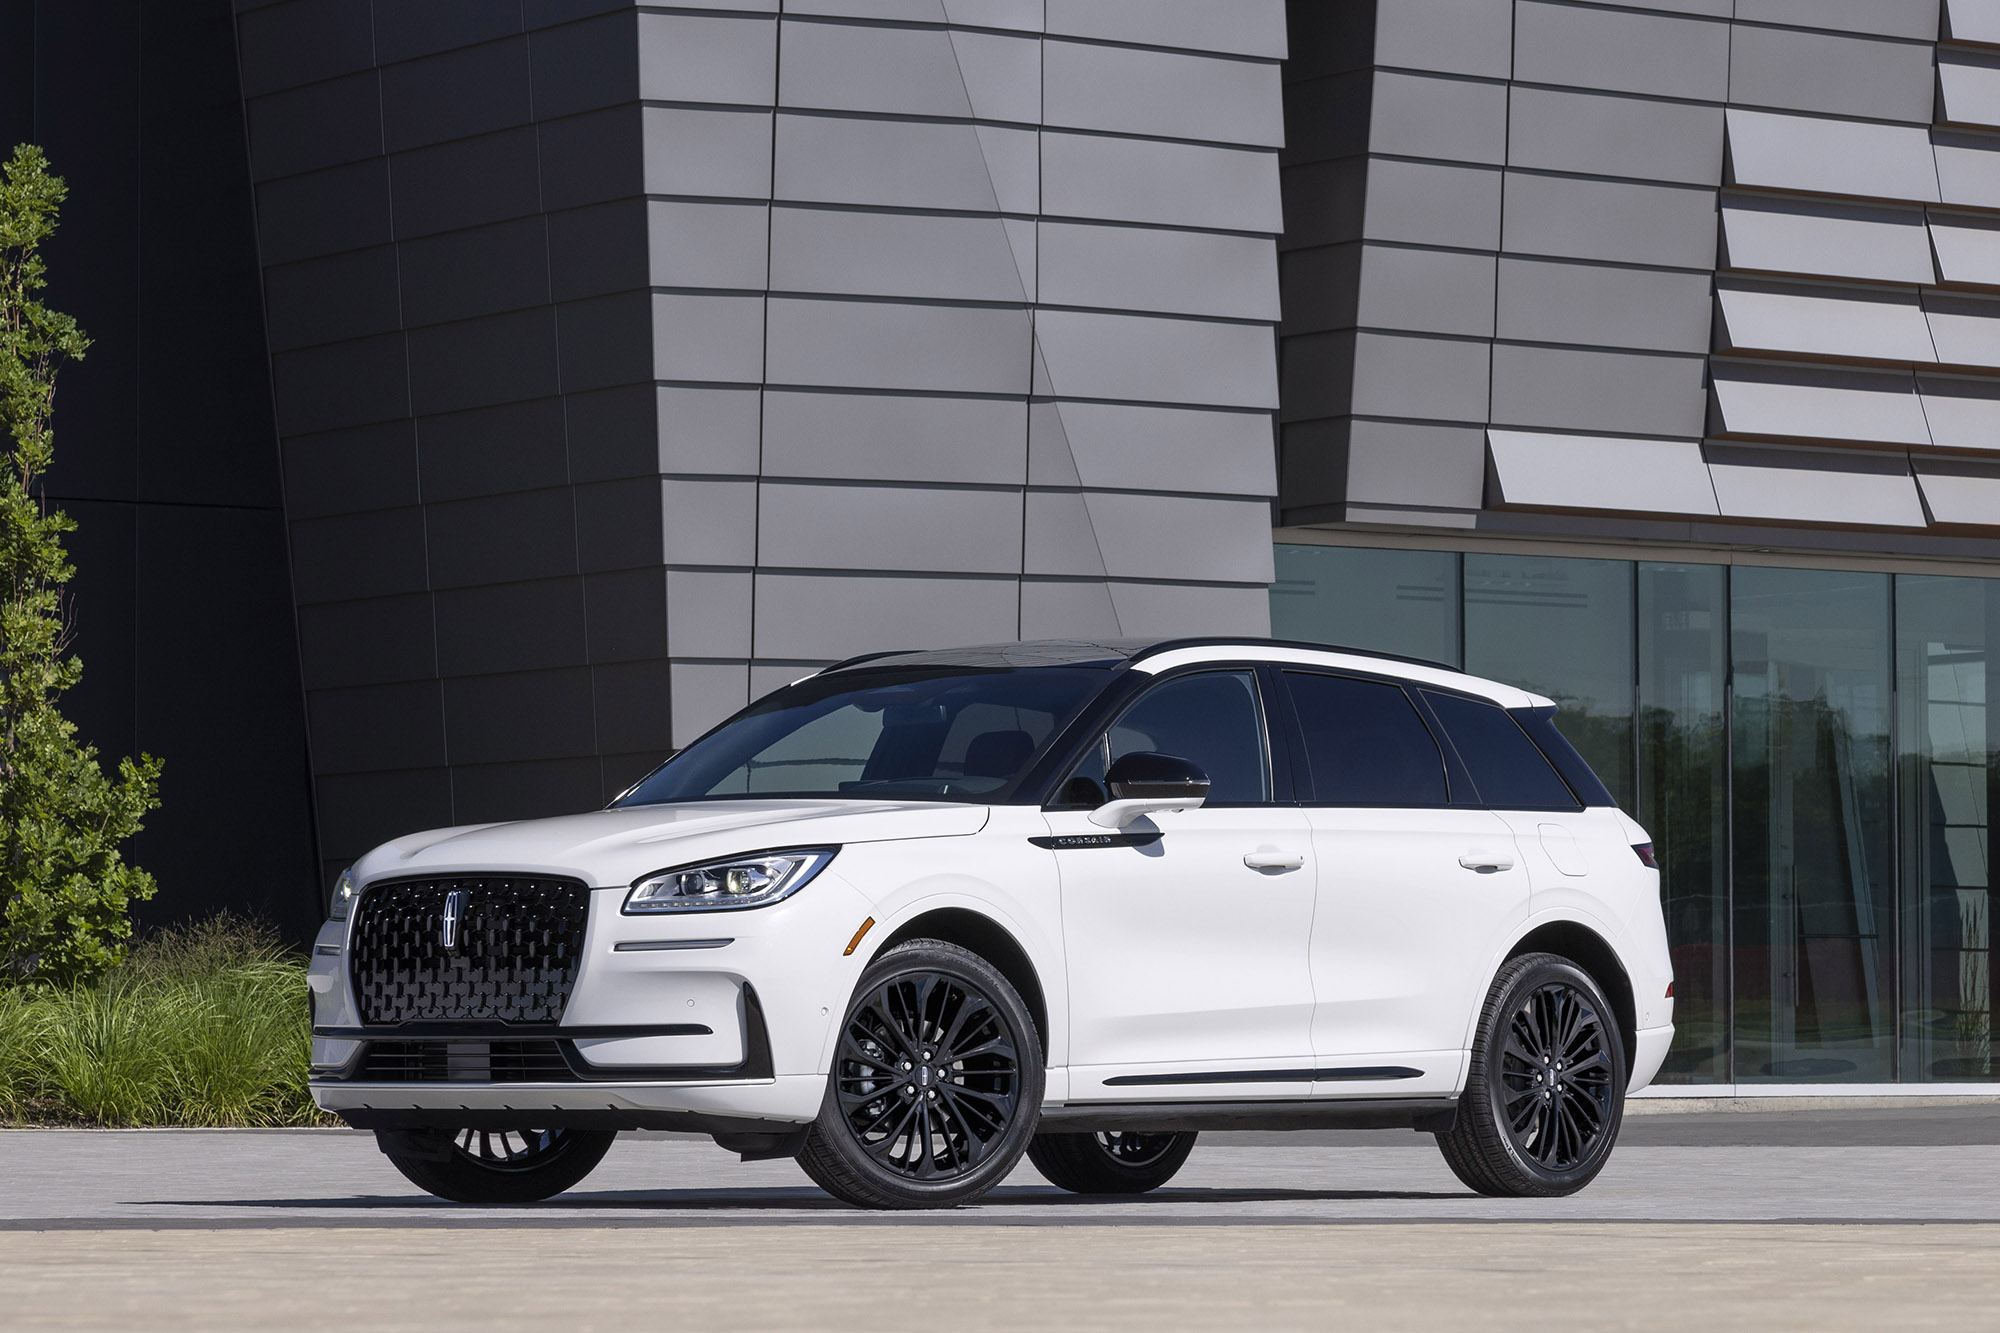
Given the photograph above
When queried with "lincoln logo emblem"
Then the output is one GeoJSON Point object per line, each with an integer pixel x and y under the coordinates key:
{"type": "Point", "coordinates": [454, 912]}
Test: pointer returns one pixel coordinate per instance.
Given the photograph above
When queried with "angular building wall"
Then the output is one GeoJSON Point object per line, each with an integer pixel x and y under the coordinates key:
{"type": "Point", "coordinates": [632, 361]}
{"type": "Point", "coordinates": [181, 604]}
{"type": "Point", "coordinates": [1701, 271]}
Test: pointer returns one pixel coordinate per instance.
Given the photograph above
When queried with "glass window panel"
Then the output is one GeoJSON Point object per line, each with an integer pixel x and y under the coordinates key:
{"type": "Point", "coordinates": [1943, 629]}
{"type": "Point", "coordinates": [1212, 720]}
{"type": "Point", "coordinates": [1683, 786]}
{"type": "Point", "coordinates": [1812, 970]}
{"type": "Point", "coordinates": [1365, 743]}
{"type": "Point", "coordinates": [1510, 772]}
{"type": "Point", "coordinates": [1402, 602]}
{"type": "Point", "coordinates": [1562, 628]}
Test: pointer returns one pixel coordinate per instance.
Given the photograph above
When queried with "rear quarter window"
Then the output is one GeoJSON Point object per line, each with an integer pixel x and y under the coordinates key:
{"type": "Point", "coordinates": [1509, 770]}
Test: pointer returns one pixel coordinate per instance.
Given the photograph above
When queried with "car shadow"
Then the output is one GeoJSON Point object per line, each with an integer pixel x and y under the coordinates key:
{"type": "Point", "coordinates": [811, 1200]}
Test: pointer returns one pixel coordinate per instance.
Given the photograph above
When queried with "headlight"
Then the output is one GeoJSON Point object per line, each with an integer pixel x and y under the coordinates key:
{"type": "Point", "coordinates": [757, 880]}
{"type": "Point", "coordinates": [343, 896]}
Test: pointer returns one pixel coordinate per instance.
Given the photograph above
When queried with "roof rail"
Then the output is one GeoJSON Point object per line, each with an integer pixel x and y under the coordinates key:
{"type": "Point", "coordinates": [1222, 641]}
{"type": "Point", "coordinates": [864, 657]}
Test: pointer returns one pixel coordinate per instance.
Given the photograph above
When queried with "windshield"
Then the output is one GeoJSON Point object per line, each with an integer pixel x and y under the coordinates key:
{"type": "Point", "coordinates": [918, 734]}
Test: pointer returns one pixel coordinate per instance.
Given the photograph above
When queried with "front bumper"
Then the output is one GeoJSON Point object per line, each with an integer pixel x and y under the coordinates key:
{"type": "Point", "coordinates": [716, 1016]}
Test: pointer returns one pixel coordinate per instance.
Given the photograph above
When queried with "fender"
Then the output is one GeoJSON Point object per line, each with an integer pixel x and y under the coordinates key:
{"type": "Point", "coordinates": [1570, 915]}
{"type": "Point", "coordinates": [1044, 954]}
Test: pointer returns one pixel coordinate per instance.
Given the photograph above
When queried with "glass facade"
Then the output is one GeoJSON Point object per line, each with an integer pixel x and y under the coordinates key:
{"type": "Point", "coordinates": [1944, 759]}
{"type": "Point", "coordinates": [1808, 748]}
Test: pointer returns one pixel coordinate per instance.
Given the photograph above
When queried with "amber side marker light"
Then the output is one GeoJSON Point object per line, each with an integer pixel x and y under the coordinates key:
{"type": "Point", "coordinates": [855, 943]}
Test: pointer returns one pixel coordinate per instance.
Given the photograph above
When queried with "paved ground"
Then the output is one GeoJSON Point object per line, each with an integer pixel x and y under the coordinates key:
{"type": "Point", "coordinates": [1822, 1219]}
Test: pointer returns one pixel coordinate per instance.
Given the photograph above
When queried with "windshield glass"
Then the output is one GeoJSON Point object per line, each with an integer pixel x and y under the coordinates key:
{"type": "Point", "coordinates": [918, 734]}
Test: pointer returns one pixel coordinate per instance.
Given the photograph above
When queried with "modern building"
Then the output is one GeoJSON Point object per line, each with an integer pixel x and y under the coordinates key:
{"type": "Point", "coordinates": [489, 396]}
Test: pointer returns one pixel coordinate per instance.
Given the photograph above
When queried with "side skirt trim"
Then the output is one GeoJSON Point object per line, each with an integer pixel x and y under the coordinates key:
{"type": "Point", "coordinates": [1355, 1074]}
{"type": "Point", "coordinates": [1432, 1115]}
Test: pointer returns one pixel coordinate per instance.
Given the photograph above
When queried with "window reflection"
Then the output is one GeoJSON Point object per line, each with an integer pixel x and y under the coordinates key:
{"type": "Point", "coordinates": [1683, 785]}
{"type": "Point", "coordinates": [1810, 653]}
{"type": "Point", "coordinates": [1403, 602]}
{"type": "Point", "coordinates": [1518, 608]}
{"type": "Point", "coordinates": [1942, 628]}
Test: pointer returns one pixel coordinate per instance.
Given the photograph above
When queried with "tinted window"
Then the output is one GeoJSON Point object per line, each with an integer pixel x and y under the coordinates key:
{"type": "Point", "coordinates": [1541, 727]}
{"type": "Point", "coordinates": [1506, 767]}
{"type": "Point", "coordinates": [1212, 720]}
{"type": "Point", "coordinates": [1365, 743]}
{"type": "Point", "coordinates": [916, 734]}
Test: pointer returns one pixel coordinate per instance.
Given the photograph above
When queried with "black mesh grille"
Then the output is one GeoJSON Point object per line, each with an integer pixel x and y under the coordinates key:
{"type": "Point", "coordinates": [464, 1062]}
{"type": "Point", "coordinates": [513, 960]}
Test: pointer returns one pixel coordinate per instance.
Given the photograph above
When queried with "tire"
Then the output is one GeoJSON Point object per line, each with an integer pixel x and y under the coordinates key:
{"type": "Point", "coordinates": [500, 1166]}
{"type": "Point", "coordinates": [1545, 1097]}
{"type": "Point", "coordinates": [936, 1083]}
{"type": "Point", "coordinates": [1114, 1163]}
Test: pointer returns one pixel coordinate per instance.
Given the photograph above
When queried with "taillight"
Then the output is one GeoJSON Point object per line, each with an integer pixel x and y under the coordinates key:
{"type": "Point", "coordinates": [1645, 851]}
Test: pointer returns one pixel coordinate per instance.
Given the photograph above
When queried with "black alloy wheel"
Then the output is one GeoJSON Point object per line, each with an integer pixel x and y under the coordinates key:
{"type": "Point", "coordinates": [1546, 1094]}
{"type": "Point", "coordinates": [1114, 1162]}
{"type": "Point", "coordinates": [936, 1083]}
{"type": "Point", "coordinates": [497, 1165]}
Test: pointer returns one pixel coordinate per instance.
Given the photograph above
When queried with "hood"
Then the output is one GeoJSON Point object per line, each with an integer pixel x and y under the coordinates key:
{"type": "Point", "coordinates": [614, 847]}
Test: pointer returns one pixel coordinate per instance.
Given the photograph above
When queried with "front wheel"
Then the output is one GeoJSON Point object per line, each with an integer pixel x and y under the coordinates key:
{"type": "Point", "coordinates": [1546, 1093]}
{"type": "Point", "coordinates": [936, 1083]}
{"type": "Point", "coordinates": [1119, 1162]}
{"type": "Point", "coordinates": [497, 1166]}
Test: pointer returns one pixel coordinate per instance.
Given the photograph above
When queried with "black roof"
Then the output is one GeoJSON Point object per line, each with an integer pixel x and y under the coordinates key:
{"type": "Point", "coordinates": [1104, 653]}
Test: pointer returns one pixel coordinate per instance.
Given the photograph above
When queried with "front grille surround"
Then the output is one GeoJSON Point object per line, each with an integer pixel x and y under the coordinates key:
{"type": "Point", "coordinates": [518, 946]}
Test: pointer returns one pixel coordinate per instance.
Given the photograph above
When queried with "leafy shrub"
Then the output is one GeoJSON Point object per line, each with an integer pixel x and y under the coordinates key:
{"type": "Point", "coordinates": [203, 1025]}
{"type": "Point", "coordinates": [65, 887]}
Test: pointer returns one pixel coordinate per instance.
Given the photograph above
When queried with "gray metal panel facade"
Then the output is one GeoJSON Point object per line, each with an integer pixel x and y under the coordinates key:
{"type": "Point", "coordinates": [1752, 243]}
{"type": "Point", "coordinates": [633, 360]}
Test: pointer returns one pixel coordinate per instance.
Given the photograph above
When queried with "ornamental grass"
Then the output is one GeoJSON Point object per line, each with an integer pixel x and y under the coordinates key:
{"type": "Point", "coordinates": [203, 1024]}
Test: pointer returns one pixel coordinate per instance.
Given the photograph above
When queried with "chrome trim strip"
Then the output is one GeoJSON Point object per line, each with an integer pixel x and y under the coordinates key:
{"type": "Point", "coordinates": [654, 946]}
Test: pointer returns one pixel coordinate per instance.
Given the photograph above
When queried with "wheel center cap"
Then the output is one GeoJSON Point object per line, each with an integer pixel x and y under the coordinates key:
{"type": "Point", "coordinates": [923, 1076]}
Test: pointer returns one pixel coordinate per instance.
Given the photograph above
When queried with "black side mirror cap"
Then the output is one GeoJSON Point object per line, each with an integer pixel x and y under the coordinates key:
{"type": "Point", "coordinates": [1146, 776]}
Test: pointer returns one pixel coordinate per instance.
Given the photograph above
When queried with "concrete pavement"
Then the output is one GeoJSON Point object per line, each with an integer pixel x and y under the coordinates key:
{"type": "Point", "coordinates": [1829, 1220]}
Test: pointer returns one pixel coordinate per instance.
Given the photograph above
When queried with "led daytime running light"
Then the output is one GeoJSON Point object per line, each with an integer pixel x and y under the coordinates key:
{"type": "Point", "coordinates": [755, 880]}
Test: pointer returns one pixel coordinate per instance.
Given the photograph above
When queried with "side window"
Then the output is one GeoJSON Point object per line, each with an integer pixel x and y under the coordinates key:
{"type": "Point", "coordinates": [1212, 719]}
{"type": "Point", "coordinates": [1365, 742]}
{"type": "Point", "coordinates": [1506, 767]}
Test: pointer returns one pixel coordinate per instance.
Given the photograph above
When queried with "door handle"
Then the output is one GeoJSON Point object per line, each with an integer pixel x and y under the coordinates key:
{"type": "Point", "coordinates": [1486, 863]}
{"type": "Point", "coordinates": [1270, 858]}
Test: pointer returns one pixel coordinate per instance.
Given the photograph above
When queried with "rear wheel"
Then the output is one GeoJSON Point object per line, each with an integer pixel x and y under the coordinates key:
{"type": "Point", "coordinates": [499, 1165]}
{"type": "Point", "coordinates": [1118, 1162]}
{"type": "Point", "coordinates": [936, 1084]}
{"type": "Point", "coordinates": [1546, 1093]}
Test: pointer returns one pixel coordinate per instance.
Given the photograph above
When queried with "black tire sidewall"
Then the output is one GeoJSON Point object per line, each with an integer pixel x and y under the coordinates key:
{"type": "Point", "coordinates": [1079, 1163]}
{"type": "Point", "coordinates": [856, 1176]}
{"type": "Point", "coordinates": [462, 1178]}
{"type": "Point", "coordinates": [1522, 1173]}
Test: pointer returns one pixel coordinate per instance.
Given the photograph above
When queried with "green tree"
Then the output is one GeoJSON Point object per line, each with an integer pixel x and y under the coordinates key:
{"type": "Point", "coordinates": [65, 889]}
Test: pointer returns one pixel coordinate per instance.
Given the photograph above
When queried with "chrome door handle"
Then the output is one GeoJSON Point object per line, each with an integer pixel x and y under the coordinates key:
{"type": "Point", "coordinates": [1267, 858]}
{"type": "Point", "coordinates": [1486, 863]}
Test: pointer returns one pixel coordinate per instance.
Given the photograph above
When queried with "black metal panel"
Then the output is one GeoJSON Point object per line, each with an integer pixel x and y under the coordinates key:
{"type": "Point", "coordinates": [513, 958]}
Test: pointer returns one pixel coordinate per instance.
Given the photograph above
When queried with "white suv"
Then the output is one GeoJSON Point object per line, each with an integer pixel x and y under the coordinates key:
{"type": "Point", "coordinates": [920, 913]}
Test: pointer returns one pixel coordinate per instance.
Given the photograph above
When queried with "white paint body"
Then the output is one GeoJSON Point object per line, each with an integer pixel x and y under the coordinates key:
{"type": "Point", "coordinates": [1364, 938]}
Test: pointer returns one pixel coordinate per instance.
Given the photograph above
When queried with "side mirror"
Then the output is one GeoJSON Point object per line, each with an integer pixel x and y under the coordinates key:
{"type": "Point", "coordinates": [1144, 782]}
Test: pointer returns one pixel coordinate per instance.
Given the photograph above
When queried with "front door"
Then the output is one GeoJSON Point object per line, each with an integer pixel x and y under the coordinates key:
{"type": "Point", "coordinates": [1187, 931]}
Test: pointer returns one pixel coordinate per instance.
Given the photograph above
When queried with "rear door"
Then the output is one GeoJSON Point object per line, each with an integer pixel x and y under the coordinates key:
{"type": "Point", "coordinates": [1416, 885]}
